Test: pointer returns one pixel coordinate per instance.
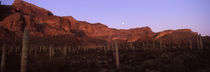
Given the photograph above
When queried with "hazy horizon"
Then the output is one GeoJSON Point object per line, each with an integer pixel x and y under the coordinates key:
{"type": "Point", "coordinates": [124, 14]}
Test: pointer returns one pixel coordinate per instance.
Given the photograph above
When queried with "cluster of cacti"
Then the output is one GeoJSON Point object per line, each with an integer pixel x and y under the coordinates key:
{"type": "Point", "coordinates": [24, 57]}
{"type": "Point", "coordinates": [109, 49]}
{"type": "Point", "coordinates": [51, 51]}
{"type": "Point", "coordinates": [66, 50]}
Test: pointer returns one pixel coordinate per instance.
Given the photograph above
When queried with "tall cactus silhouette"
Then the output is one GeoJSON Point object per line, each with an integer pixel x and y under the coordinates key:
{"type": "Point", "coordinates": [3, 58]}
{"type": "Point", "coordinates": [24, 57]}
{"type": "Point", "coordinates": [161, 46]}
{"type": "Point", "coordinates": [50, 52]}
{"type": "Point", "coordinates": [65, 51]}
{"type": "Point", "coordinates": [153, 44]}
{"type": "Point", "coordinates": [143, 45]}
{"type": "Point", "coordinates": [191, 44]}
{"type": "Point", "coordinates": [198, 42]}
{"type": "Point", "coordinates": [201, 43]}
{"type": "Point", "coordinates": [117, 56]}
{"type": "Point", "coordinates": [131, 45]}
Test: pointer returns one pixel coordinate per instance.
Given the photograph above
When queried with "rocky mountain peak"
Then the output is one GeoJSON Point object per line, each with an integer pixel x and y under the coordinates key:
{"type": "Point", "coordinates": [30, 9]}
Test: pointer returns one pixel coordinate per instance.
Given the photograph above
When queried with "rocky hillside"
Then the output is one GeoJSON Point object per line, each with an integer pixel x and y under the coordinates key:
{"type": "Point", "coordinates": [46, 27]}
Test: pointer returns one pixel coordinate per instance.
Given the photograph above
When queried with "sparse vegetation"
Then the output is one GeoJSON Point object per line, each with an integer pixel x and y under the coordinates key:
{"type": "Point", "coordinates": [116, 57]}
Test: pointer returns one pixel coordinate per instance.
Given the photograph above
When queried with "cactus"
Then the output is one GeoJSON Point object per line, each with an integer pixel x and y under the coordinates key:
{"type": "Point", "coordinates": [131, 45]}
{"type": "Point", "coordinates": [134, 50]}
{"type": "Point", "coordinates": [198, 42]}
{"type": "Point", "coordinates": [108, 47]}
{"type": "Point", "coordinates": [86, 49]}
{"type": "Point", "coordinates": [144, 46]}
{"type": "Point", "coordinates": [24, 57]}
{"type": "Point", "coordinates": [3, 58]}
{"type": "Point", "coordinates": [77, 50]}
{"type": "Point", "coordinates": [161, 45]}
{"type": "Point", "coordinates": [65, 50]}
{"type": "Point", "coordinates": [73, 49]}
{"type": "Point", "coordinates": [105, 50]}
{"type": "Point", "coordinates": [201, 43]}
{"type": "Point", "coordinates": [137, 44]}
{"type": "Point", "coordinates": [117, 56]}
{"type": "Point", "coordinates": [191, 44]}
{"type": "Point", "coordinates": [69, 50]}
{"type": "Point", "coordinates": [153, 44]}
{"type": "Point", "coordinates": [50, 52]}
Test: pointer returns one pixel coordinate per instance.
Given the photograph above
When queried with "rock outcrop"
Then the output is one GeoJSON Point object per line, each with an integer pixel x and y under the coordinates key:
{"type": "Point", "coordinates": [178, 34]}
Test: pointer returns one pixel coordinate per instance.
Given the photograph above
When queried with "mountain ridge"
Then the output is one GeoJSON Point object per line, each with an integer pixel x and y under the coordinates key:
{"type": "Point", "coordinates": [42, 24]}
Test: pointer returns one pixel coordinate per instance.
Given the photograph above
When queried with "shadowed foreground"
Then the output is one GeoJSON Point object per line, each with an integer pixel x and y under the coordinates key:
{"type": "Point", "coordinates": [131, 59]}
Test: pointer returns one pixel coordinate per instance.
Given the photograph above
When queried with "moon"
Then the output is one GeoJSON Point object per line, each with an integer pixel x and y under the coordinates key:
{"type": "Point", "coordinates": [123, 22]}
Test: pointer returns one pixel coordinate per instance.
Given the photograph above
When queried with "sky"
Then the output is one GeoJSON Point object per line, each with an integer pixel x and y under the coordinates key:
{"type": "Point", "coordinates": [159, 15]}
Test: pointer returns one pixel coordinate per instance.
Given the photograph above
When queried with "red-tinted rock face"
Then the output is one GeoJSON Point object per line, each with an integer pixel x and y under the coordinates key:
{"type": "Point", "coordinates": [30, 9]}
{"type": "Point", "coordinates": [42, 23]}
{"type": "Point", "coordinates": [180, 33]}
{"type": "Point", "coordinates": [177, 37]}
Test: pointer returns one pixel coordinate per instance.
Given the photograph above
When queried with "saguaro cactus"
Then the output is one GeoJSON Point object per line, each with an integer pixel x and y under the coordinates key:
{"type": "Point", "coordinates": [198, 42]}
{"type": "Point", "coordinates": [131, 45]}
{"type": "Point", "coordinates": [201, 43]}
{"type": "Point", "coordinates": [105, 50]}
{"type": "Point", "coordinates": [147, 44]}
{"type": "Point", "coordinates": [117, 56]}
{"type": "Point", "coordinates": [24, 57]}
{"type": "Point", "coordinates": [3, 58]}
{"type": "Point", "coordinates": [65, 50]}
{"type": "Point", "coordinates": [144, 46]}
{"type": "Point", "coordinates": [153, 44]}
{"type": "Point", "coordinates": [191, 44]}
{"type": "Point", "coordinates": [161, 44]}
{"type": "Point", "coordinates": [50, 52]}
